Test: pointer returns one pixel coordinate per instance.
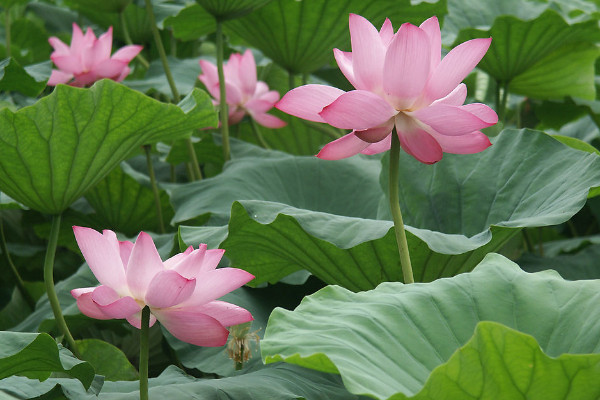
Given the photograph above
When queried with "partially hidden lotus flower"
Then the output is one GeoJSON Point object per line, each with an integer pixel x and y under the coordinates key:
{"type": "Point", "coordinates": [244, 94]}
{"type": "Point", "coordinates": [400, 81]}
{"type": "Point", "coordinates": [181, 292]}
{"type": "Point", "coordinates": [88, 59]}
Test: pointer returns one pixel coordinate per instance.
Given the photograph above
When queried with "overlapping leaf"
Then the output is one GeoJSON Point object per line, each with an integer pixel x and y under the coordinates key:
{"type": "Point", "coordinates": [53, 151]}
{"type": "Point", "coordinates": [297, 213]}
{"type": "Point", "coordinates": [393, 337]}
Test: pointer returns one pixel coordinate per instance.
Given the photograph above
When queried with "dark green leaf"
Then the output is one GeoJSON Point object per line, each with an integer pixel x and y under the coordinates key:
{"type": "Point", "coordinates": [14, 78]}
{"type": "Point", "coordinates": [107, 360]}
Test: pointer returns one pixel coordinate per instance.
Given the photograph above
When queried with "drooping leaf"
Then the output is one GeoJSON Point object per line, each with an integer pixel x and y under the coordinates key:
{"type": "Point", "coordinates": [545, 57]}
{"type": "Point", "coordinates": [14, 78]}
{"type": "Point", "coordinates": [227, 9]}
{"type": "Point", "coordinates": [110, 6]}
{"type": "Point", "coordinates": [391, 339]}
{"type": "Point", "coordinates": [36, 355]}
{"type": "Point", "coordinates": [291, 213]}
{"type": "Point", "coordinates": [185, 74]}
{"type": "Point", "coordinates": [191, 23]}
{"type": "Point", "coordinates": [300, 35]}
{"type": "Point", "coordinates": [580, 265]}
{"type": "Point", "coordinates": [55, 150]}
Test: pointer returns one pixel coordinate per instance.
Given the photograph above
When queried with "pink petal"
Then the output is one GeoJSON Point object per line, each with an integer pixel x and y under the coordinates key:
{"type": "Point", "coordinates": [432, 28]}
{"type": "Point", "coordinates": [125, 248]}
{"type": "Point", "coordinates": [406, 67]}
{"type": "Point", "coordinates": [226, 313]}
{"type": "Point", "coordinates": [308, 101]}
{"type": "Point", "coordinates": [77, 41]}
{"type": "Point", "coordinates": [113, 306]}
{"type": "Point", "coordinates": [233, 95]}
{"type": "Point", "coordinates": [232, 70]}
{"type": "Point", "coordinates": [58, 76]}
{"type": "Point", "coordinates": [102, 47]}
{"type": "Point", "coordinates": [268, 120]}
{"type": "Point", "coordinates": [346, 146]}
{"type": "Point", "coordinates": [455, 67]}
{"type": "Point", "coordinates": [374, 135]}
{"type": "Point", "coordinates": [379, 147]}
{"type": "Point", "coordinates": [261, 88]}
{"type": "Point", "coordinates": [216, 283]}
{"type": "Point", "coordinates": [144, 264]}
{"type": "Point", "coordinates": [417, 142]}
{"type": "Point", "coordinates": [466, 144]}
{"type": "Point", "coordinates": [236, 114]}
{"type": "Point", "coordinates": [123, 74]}
{"type": "Point", "coordinates": [59, 47]}
{"type": "Point", "coordinates": [271, 96]}
{"type": "Point", "coordinates": [358, 109]}
{"type": "Point", "coordinates": [454, 98]}
{"type": "Point", "coordinates": [86, 305]}
{"type": "Point", "coordinates": [109, 68]}
{"type": "Point", "coordinates": [179, 257]}
{"type": "Point", "coordinates": [247, 73]}
{"type": "Point", "coordinates": [127, 53]}
{"type": "Point", "coordinates": [168, 288]}
{"type": "Point", "coordinates": [368, 54]}
{"type": "Point", "coordinates": [454, 121]}
{"type": "Point", "coordinates": [100, 252]}
{"type": "Point", "coordinates": [210, 78]}
{"type": "Point", "coordinates": [258, 105]}
{"type": "Point", "coordinates": [344, 61]}
{"type": "Point", "coordinates": [193, 327]}
{"type": "Point", "coordinates": [67, 63]}
{"type": "Point", "coordinates": [136, 320]}
{"type": "Point", "coordinates": [85, 79]}
{"type": "Point", "coordinates": [386, 33]}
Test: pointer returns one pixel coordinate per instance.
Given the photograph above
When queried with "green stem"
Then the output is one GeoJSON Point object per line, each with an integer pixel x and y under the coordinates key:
{"type": "Point", "coordinates": [7, 25]}
{"type": "Point", "coordinates": [161, 51]}
{"type": "Point", "coordinates": [49, 281]}
{"type": "Point", "coordinates": [395, 208]}
{"type": "Point", "coordinates": [258, 135]}
{"type": "Point", "coordinates": [155, 191]}
{"type": "Point", "coordinates": [18, 279]}
{"type": "Point", "coordinates": [503, 103]}
{"type": "Point", "coordinates": [144, 353]}
{"type": "Point", "coordinates": [528, 243]}
{"type": "Point", "coordinates": [240, 365]}
{"type": "Point", "coordinates": [223, 110]}
{"type": "Point", "coordinates": [128, 40]}
{"type": "Point", "coordinates": [197, 174]}
{"type": "Point", "coordinates": [540, 241]}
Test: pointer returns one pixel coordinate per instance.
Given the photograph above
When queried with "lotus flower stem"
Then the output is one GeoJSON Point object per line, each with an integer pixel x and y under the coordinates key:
{"type": "Point", "coordinates": [395, 208]}
{"type": "Point", "coordinates": [258, 135]}
{"type": "Point", "coordinates": [169, 75]}
{"type": "Point", "coordinates": [223, 111]}
{"type": "Point", "coordinates": [19, 280]}
{"type": "Point", "coordinates": [154, 185]}
{"type": "Point", "coordinates": [128, 40]}
{"type": "Point", "coordinates": [49, 281]}
{"type": "Point", "coordinates": [144, 353]}
{"type": "Point", "coordinates": [196, 173]}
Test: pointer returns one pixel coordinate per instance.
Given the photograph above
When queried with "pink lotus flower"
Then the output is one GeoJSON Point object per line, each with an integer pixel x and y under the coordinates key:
{"type": "Point", "coordinates": [180, 292]}
{"type": "Point", "coordinates": [399, 80]}
{"type": "Point", "coordinates": [244, 94]}
{"type": "Point", "coordinates": [88, 59]}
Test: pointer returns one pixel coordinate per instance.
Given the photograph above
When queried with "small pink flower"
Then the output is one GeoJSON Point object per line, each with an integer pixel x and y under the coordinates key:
{"type": "Point", "coordinates": [244, 94]}
{"type": "Point", "coordinates": [180, 291]}
{"type": "Point", "coordinates": [88, 59]}
{"type": "Point", "coordinates": [400, 80]}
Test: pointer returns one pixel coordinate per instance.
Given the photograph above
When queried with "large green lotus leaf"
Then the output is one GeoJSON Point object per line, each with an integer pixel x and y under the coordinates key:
{"type": "Point", "coordinates": [36, 355]}
{"type": "Point", "coordinates": [56, 149]}
{"type": "Point", "coordinates": [191, 23]}
{"type": "Point", "coordinates": [389, 340]}
{"type": "Point", "coordinates": [297, 213]}
{"type": "Point", "coordinates": [300, 35]}
{"type": "Point", "coordinates": [185, 74]}
{"type": "Point", "coordinates": [544, 58]}
{"type": "Point", "coordinates": [226, 9]}
{"type": "Point", "coordinates": [14, 78]}
{"type": "Point", "coordinates": [124, 202]}
{"type": "Point", "coordinates": [107, 360]}
{"type": "Point", "coordinates": [109, 6]}
{"type": "Point", "coordinates": [281, 382]}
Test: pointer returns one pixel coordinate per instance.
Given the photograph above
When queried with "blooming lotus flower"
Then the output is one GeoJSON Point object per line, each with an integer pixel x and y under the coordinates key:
{"type": "Point", "coordinates": [244, 94]}
{"type": "Point", "coordinates": [400, 81]}
{"type": "Point", "coordinates": [180, 291]}
{"type": "Point", "coordinates": [88, 59]}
